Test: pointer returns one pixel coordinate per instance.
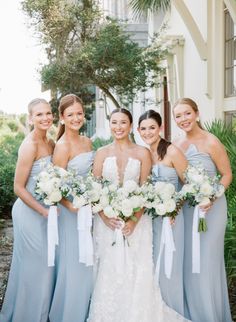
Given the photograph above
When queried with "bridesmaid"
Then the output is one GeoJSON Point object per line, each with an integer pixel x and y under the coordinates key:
{"type": "Point", "coordinates": [206, 292]}
{"type": "Point", "coordinates": [31, 281]}
{"type": "Point", "coordinates": [74, 279]}
{"type": "Point", "coordinates": [168, 164]}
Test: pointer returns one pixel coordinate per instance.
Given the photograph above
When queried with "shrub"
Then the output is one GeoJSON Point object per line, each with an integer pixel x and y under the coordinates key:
{"type": "Point", "coordinates": [9, 145]}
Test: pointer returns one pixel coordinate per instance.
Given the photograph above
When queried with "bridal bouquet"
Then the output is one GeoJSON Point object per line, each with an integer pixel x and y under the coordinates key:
{"type": "Point", "coordinates": [122, 201]}
{"type": "Point", "coordinates": [51, 186]}
{"type": "Point", "coordinates": [161, 199]}
{"type": "Point", "coordinates": [200, 189]}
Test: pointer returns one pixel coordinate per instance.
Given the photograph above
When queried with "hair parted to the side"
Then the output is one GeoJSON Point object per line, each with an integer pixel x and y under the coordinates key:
{"type": "Point", "coordinates": [191, 103]}
{"type": "Point", "coordinates": [124, 111]}
{"type": "Point", "coordinates": [163, 144]}
{"type": "Point", "coordinates": [35, 102]}
{"type": "Point", "coordinates": [64, 103]}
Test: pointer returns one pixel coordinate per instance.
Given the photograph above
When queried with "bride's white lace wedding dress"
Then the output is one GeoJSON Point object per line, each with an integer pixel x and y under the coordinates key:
{"type": "Point", "coordinates": [124, 287]}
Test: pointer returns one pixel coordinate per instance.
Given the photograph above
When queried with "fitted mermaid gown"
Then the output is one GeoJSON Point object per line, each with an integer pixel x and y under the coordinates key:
{"type": "Point", "coordinates": [31, 282]}
{"type": "Point", "coordinates": [206, 293]}
{"type": "Point", "coordinates": [74, 279]}
{"type": "Point", "coordinates": [126, 293]}
{"type": "Point", "coordinates": [171, 288]}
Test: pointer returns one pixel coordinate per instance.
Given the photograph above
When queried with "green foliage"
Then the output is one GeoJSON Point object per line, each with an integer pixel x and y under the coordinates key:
{"type": "Point", "coordinates": [9, 145]}
{"type": "Point", "coordinates": [142, 6]}
{"type": "Point", "coordinates": [228, 137]}
{"type": "Point", "coordinates": [91, 51]}
{"type": "Point", "coordinates": [99, 142]}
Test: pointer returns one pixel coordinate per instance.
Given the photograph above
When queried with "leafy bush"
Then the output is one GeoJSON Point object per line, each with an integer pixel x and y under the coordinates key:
{"type": "Point", "coordinates": [99, 142]}
{"type": "Point", "coordinates": [228, 137]}
{"type": "Point", "coordinates": [9, 145]}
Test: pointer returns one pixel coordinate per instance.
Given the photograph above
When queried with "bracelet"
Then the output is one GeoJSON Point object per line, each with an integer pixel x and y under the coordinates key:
{"type": "Point", "coordinates": [134, 218]}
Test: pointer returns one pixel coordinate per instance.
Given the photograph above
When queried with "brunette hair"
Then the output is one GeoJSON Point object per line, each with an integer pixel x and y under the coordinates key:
{"type": "Point", "coordinates": [124, 111]}
{"type": "Point", "coordinates": [64, 103]}
{"type": "Point", "coordinates": [35, 102]}
{"type": "Point", "coordinates": [163, 144]}
{"type": "Point", "coordinates": [191, 103]}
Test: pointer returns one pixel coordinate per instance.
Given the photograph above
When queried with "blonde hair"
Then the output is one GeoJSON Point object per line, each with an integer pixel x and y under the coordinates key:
{"type": "Point", "coordinates": [35, 102]}
{"type": "Point", "coordinates": [191, 103]}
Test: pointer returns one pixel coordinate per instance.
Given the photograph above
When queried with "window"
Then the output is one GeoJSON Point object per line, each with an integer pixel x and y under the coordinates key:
{"type": "Point", "coordinates": [230, 119]}
{"type": "Point", "coordinates": [230, 56]}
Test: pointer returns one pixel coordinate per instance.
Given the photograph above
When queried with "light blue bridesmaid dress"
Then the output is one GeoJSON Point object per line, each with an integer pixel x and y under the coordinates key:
{"type": "Point", "coordinates": [206, 293]}
{"type": "Point", "coordinates": [31, 282]}
{"type": "Point", "coordinates": [171, 289]}
{"type": "Point", "coordinates": [74, 280]}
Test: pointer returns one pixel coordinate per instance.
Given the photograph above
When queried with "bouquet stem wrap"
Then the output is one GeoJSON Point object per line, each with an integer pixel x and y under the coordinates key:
{"type": "Point", "coordinates": [84, 225]}
{"type": "Point", "coordinates": [167, 242]}
{"type": "Point", "coordinates": [121, 249]}
{"type": "Point", "coordinates": [52, 234]}
{"type": "Point", "coordinates": [197, 216]}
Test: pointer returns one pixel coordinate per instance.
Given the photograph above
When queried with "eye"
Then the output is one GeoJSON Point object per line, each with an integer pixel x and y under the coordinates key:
{"type": "Point", "coordinates": [142, 128]}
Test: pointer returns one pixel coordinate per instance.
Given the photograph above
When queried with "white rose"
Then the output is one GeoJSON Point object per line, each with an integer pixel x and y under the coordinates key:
{"type": "Point", "coordinates": [94, 195]}
{"type": "Point", "coordinates": [79, 202]}
{"type": "Point", "coordinates": [170, 205]}
{"type": "Point", "coordinates": [160, 209]}
{"type": "Point", "coordinates": [46, 187]}
{"type": "Point", "coordinates": [44, 176]}
{"type": "Point", "coordinates": [130, 186]}
{"type": "Point", "coordinates": [96, 208]}
{"type": "Point", "coordinates": [188, 188]}
{"type": "Point", "coordinates": [197, 178]}
{"type": "Point", "coordinates": [109, 212]}
{"type": "Point", "coordinates": [62, 172]}
{"type": "Point", "coordinates": [96, 186]}
{"type": "Point", "coordinates": [55, 196]}
{"type": "Point", "coordinates": [104, 201]}
{"type": "Point", "coordinates": [159, 185]}
{"type": "Point", "coordinates": [206, 189]}
{"type": "Point", "coordinates": [136, 202]}
{"type": "Point", "coordinates": [112, 187]}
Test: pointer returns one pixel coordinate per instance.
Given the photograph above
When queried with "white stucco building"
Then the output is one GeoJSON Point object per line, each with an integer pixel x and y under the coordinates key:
{"type": "Point", "coordinates": [201, 64]}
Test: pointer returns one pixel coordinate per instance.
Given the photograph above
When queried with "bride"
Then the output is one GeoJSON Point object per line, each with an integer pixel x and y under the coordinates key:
{"type": "Point", "coordinates": [124, 287]}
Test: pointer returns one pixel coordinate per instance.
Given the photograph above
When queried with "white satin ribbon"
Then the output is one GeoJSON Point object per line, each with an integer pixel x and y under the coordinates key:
{"type": "Point", "coordinates": [120, 249]}
{"type": "Point", "coordinates": [85, 240]}
{"type": "Point", "coordinates": [198, 213]}
{"type": "Point", "coordinates": [167, 242]}
{"type": "Point", "coordinates": [52, 234]}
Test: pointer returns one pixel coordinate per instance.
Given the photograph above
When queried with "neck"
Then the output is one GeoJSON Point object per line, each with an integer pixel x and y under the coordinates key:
{"type": "Point", "coordinates": [154, 146]}
{"type": "Point", "coordinates": [72, 134]}
{"type": "Point", "coordinates": [120, 144]}
{"type": "Point", "coordinates": [194, 133]}
{"type": "Point", "coordinates": [39, 134]}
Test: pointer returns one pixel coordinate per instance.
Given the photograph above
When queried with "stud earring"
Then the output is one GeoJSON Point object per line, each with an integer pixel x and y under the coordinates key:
{"type": "Point", "coordinates": [198, 119]}
{"type": "Point", "coordinates": [62, 122]}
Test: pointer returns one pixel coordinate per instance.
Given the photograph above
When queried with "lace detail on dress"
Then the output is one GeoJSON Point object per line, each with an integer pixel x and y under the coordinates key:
{"type": "Point", "coordinates": [110, 170]}
{"type": "Point", "coordinates": [124, 287]}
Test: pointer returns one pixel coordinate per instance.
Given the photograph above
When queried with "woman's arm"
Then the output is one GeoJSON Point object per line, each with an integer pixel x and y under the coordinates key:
{"type": "Point", "coordinates": [178, 160]}
{"type": "Point", "coordinates": [221, 160]}
{"type": "Point", "coordinates": [26, 157]}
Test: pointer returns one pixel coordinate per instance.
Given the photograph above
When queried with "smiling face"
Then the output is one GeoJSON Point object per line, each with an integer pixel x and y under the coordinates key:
{"type": "Point", "coordinates": [185, 117]}
{"type": "Point", "coordinates": [73, 116]}
{"type": "Point", "coordinates": [120, 125]}
{"type": "Point", "coordinates": [41, 116]}
{"type": "Point", "coordinates": [149, 131]}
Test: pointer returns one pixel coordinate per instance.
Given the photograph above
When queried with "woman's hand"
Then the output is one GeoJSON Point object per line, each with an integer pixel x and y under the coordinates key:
{"type": "Point", "coordinates": [206, 207]}
{"type": "Point", "coordinates": [112, 223]}
{"type": "Point", "coordinates": [129, 227]}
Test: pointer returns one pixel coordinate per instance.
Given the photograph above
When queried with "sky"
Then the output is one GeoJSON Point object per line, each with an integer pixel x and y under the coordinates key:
{"type": "Point", "coordinates": [20, 58]}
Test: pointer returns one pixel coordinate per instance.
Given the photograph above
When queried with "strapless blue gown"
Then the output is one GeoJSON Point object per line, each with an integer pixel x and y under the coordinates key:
{"type": "Point", "coordinates": [31, 282]}
{"type": "Point", "coordinates": [171, 289]}
{"type": "Point", "coordinates": [74, 280]}
{"type": "Point", "coordinates": [206, 294]}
